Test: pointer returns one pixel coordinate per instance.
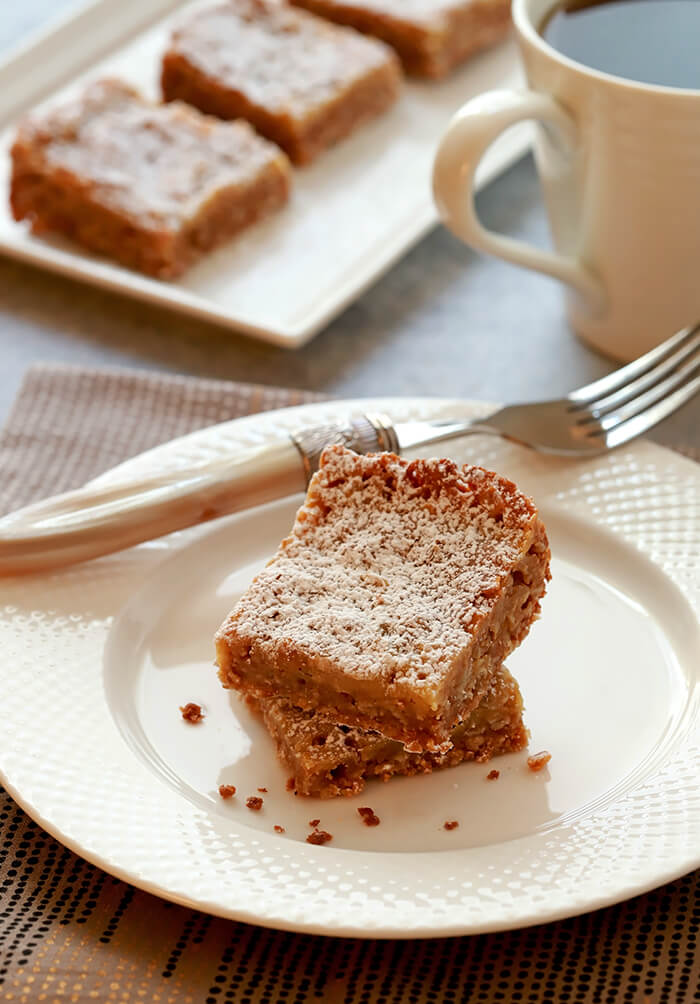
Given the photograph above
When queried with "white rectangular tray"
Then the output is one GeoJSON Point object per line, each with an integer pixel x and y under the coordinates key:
{"type": "Point", "coordinates": [351, 216]}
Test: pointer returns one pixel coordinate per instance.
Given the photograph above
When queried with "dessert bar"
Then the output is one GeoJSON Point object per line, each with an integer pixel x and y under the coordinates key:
{"type": "Point", "coordinates": [301, 81]}
{"type": "Point", "coordinates": [152, 186]}
{"type": "Point", "coordinates": [401, 589]}
{"type": "Point", "coordinates": [325, 759]}
{"type": "Point", "coordinates": [431, 37]}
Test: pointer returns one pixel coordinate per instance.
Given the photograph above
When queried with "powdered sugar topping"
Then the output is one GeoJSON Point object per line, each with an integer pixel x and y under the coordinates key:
{"type": "Point", "coordinates": [389, 566]}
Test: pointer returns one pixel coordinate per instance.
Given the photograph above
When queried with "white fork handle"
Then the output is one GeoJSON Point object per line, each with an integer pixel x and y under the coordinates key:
{"type": "Point", "coordinates": [90, 522]}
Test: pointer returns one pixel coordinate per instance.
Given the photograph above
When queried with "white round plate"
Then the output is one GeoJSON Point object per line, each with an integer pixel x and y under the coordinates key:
{"type": "Point", "coordinates": [97, 660]}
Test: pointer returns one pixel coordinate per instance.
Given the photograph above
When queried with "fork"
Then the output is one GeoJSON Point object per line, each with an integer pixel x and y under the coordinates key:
{"type": "Point", "coordinates": [93, 521]}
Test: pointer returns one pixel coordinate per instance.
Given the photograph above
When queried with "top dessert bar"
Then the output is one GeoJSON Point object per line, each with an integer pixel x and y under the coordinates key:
{"type": "Point", "coordinates": [301, 81]}
{"type": "Point", "coordinates": [150, 185]}
{"type": "Point", "coordinates": [431, 37]}
{"type": "Point", "coordinates": [400, 590]}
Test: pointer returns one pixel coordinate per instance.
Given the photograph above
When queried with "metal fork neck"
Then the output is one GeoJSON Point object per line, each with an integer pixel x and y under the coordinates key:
{"type": "Point", "coordinates": [414, 434]}
{"type": "Point", "coordinates": [367, 433]}
{"type": "Point", "coordinates": [376, 433]}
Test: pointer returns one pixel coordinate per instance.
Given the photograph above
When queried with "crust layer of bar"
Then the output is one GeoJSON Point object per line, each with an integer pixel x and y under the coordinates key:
{"type": "Point", "coordinates": [431, 37]}
{"type": "Point", "coordinates": [151, 186]}
{"type": "Point", "coordinates": [400, 590]}
{"type": "Point", "coordinates": [326, 760]}
{"type": "Point", "coordinates": [302, 82]}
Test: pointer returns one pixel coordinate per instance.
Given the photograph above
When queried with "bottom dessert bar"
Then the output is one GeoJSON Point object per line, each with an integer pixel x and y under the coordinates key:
{"type": "Point", "coordinates": [325, 759]}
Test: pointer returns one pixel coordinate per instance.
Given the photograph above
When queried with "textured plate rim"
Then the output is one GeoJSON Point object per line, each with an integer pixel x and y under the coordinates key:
{"type": "Point", "coordinates": [273, 423]}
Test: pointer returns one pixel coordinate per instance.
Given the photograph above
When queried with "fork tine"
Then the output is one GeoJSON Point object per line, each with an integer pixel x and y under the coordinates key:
{"type": "Point", "coordinates": [633, 389]}
{"type": "Point", "coordinates": [614, 381]}
{"type": "Point", "coordinates": [645, 420]}
{"type": "Point", "coordinates": [642, 402]}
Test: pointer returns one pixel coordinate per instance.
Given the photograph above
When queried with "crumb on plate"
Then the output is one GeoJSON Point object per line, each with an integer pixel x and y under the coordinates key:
{"type": "Point", "coordinates": [538, 761]}
{"type": "Point", "coordinates": [319, 837]}
{"type": "Point", "coordinates": [227, 790]}
{"type": "Point", "coordinates": [368, 816]}
{"type": "Point", "coordinates": [192, 713]}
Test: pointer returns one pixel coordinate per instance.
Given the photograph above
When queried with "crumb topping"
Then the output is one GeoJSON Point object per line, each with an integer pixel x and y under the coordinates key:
{"type": "Point", "coordinates": [254, 803]}
{"type": "Point", "coordinates": [319, 837]}
{"type": "Point", "coordinates": [192, 713]}
{"type": "Point", "coordinates": [538, 761]}
{"type": "Point", "coordinates": [314, 823]}
{"type": "Point", "coordinates": [368, 816]}
{"type": "Point", "coordinates": [227, 790]}
{"type": "Point", "coordinates": [390, 566]}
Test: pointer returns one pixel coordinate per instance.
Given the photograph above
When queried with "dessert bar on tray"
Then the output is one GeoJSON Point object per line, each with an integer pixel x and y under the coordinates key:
{"type": "Point", "coordinates": [153, 186]}
{"type": "Point", "coordinates": [301, 81]}
{"type": "Point", "coordinates": [431, 37]}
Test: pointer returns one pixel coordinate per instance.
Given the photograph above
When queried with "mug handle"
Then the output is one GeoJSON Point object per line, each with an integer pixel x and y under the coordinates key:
{"type": "Point", "coordinates": [472, 130]}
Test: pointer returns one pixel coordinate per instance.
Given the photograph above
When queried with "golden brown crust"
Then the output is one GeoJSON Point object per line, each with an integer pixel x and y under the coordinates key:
{"type": "Point", "coordinates": [150, 186]}
{"type": "Point", "coordinates": [303, 83]}
{"type": "Point", "coordinates": [431, 37]}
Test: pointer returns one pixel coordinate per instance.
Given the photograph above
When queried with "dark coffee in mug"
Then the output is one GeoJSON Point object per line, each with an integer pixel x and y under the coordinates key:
{"type": "Point", "coordinates": [651, 41]}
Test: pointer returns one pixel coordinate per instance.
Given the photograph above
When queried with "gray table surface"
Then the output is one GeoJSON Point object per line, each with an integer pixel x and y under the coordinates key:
{"type": "Point", "coordinates": [444, 321]}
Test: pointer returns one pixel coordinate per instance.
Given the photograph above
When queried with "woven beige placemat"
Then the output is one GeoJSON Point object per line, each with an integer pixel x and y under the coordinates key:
{"type": "Point", "coordinates": [70, 932]}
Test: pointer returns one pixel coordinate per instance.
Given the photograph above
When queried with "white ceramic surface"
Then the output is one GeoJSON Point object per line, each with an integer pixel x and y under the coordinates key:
{"type": "Point", "coordinates": [351, 216]}
{"type": "Point", "coordinates": [96, 660]}
{"type": "Point", "coordinates": [619, 163]}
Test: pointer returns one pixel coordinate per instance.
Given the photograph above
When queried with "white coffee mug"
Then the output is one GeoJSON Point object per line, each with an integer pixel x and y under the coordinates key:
{"type": "Point", "coordinates": [619, 163]}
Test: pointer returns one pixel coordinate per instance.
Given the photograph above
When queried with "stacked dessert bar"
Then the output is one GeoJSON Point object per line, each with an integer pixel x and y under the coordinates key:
{"type": "Point", "coordinates": [374, 641]}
